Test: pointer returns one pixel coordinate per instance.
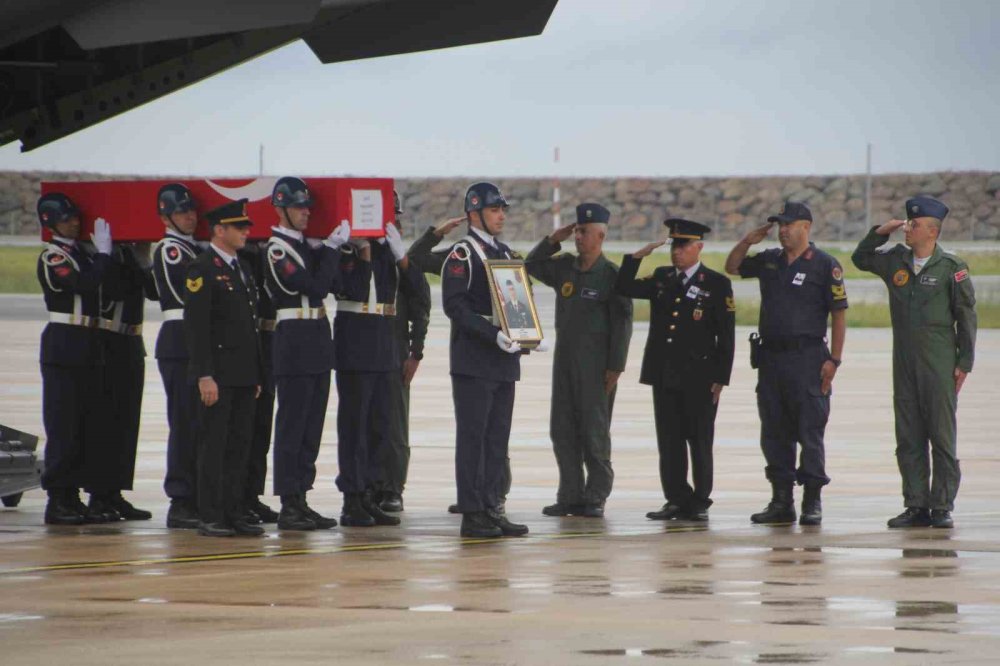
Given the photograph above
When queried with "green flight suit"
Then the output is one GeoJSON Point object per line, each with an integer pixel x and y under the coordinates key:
{"type": "Point", "coordinates": [593, 329]}
{"type": "Point", "coordinates": [933, 332]}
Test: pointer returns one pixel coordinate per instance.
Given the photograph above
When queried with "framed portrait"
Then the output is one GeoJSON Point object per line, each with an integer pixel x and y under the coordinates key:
{"type": "Point", "coordinates": [513, 302]}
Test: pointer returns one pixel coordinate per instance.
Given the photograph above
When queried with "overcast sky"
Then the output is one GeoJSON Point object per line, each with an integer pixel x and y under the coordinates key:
{"type": "Point", "coordinates": [624, 87]}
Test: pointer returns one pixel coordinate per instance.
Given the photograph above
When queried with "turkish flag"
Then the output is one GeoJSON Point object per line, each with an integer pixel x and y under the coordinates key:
{"type": "Point", "coordinates": [129, 206]}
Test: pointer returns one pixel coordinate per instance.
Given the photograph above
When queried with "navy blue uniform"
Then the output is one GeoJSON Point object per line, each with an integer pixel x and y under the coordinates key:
{"type": "Point", "coordinates": [482, 377]}
{"type": "Point", "coordinates": [127, 285]}
{"type": "Point", "coordinates": [253, 255]}
{"type": "Point", "coordinates": [71, 358]}
{"type": "Point", "coordinates": [221, 330]}
{"type": "Point", "coordinates": [796, 301]}
{"type": "Point", "coordinates": [171, 257]}
{"type": "Point", "coordinates": [365, 355]}
{"type": "Point", "coordinates": [298, 280]}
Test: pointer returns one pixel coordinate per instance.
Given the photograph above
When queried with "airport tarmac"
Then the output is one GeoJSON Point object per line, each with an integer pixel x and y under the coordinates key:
{"type": "Point", "coordinates": [575, 591]}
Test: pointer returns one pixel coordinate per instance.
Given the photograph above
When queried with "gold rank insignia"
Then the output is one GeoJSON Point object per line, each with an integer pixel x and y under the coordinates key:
{"type": "Point", "coordinates": [730, 304]}
{"type": "Point", "coordinates": [567, 289]}
{"type": "Point", "coordinates": [901, 277]}
{"type": "Point", "coordinates": [195, 284]}
{"type": "Point", "coordinates": [838, 292]}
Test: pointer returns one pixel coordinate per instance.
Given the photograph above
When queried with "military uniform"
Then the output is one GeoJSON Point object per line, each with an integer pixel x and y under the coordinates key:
{"type": "Point", "coordinates": [123, 300]}
{"type": "Point", "coordinates": [172, 257]}
{"type": "Point", "coordinates": [689, 348]}
{"type": "Point", "coordinates": [260, 444]}
{"type": "Point", "coordinates": [593, 330]}
{"type": "Point", "coordinates": [221, 330]}
{"type": "Point", "coordinates": [365, 355]}
{"type": "Point", "coordinates": [72, 360]}
{"type": "Point", "coordinates": [796, 302]}
{"type": "Point", "coordinates": [427, 260]}
{"type": "Point", "coordinates": [934, 332]}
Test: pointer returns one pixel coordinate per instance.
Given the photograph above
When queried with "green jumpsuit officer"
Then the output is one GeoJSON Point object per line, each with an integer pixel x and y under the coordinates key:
{"type": "Point", "coordinates": [593, 326]}
{"type": "Point", "coordinates": [932, 304]}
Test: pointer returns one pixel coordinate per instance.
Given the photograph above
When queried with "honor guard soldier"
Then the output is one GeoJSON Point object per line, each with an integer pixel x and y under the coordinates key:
{"type": "Point", "coordinates": [688, 361]}
{"type": "Point", "coordinates": [221, 330]}
{"type": "Point", "coordinates": [364, 340]}
{"type": "Point", "coordinates": [71, 358]}
{"type": "Point", "coordinates": [932, 304]}
{"type": "Point", "coordinates": [801, 287]}
{"type": "Point", "coordinates": [485, 364]}
{"type": "Point", "coordinates": [178, 212]}
{"type": "Point", "coordinates": [298, 280]}
{"type": "Point", "coordinates": [430, 261]}
{"type": "Point", "coordinates": [255, 254]}
{"type": "Point", "coordinates": [410, 329]}
{"type": "Point", "coordinates": [128, 282]}
{"type": "Point", "coordinates": [594, 327]}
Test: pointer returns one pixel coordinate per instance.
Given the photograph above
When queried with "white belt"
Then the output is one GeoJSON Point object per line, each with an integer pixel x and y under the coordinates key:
{"type": "Point", "coordinates": [74, 319]}
{"type": "Point", "coordinates": [173, 315]}
{"type": "Point", "coordinates": [359, 307]}
{"type": "Point", "coordinates": [301, 313]}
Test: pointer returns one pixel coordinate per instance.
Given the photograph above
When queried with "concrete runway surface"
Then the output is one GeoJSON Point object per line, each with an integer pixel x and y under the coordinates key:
{"type": "Point", "coordinates": [575, 591]}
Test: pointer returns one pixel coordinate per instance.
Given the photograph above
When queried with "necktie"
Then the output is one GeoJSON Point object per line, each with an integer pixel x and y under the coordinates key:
{"type": "Point", "coordinates": [235, 265]}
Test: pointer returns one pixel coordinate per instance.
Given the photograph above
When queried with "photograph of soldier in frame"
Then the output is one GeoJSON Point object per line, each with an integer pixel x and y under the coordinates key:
{"type": "Point", "coordinates": [513, 302]}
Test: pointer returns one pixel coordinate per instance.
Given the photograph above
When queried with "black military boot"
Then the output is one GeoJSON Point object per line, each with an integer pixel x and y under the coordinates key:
{"type": "Point", "coordinates": [60, 512]}
{"type": "Point", "coordinates": [812, 507]}
{"type": "Point", "coordinates": [781, 509]}
{"type": "Point", "coordinates": [391, 501]}
{"type": "Point", "coordinates": [125, 508]}
{"type": "Point", "coordinates": [560, 510]}
{"type": "Point", "coordinates": [507, 528]}
{"type": "Point", "coordinates": [263, 511]}
{"type": "Point", "coordinates": [941, 518]}
{"type": "Point", "coordinates": [243, 527]}
{"type": "Point", "coordinates": [293, 516]}
{"type": "Point", "coordinates": [100, 506]}
{"type": "Point", "coordinates": [322, 522]}
{"type": "Point", "coordinates": [912, 517]}
{"type": "Point", "coordinates": [353, 513]}
{"type": "Point", "coordinates": [375, 511]}
{"type": "Point", "coordinates": [182, 515]}
{"type": "Point", "coordinates": [453, 508]}
{"type": "Point", "coordinates": [593, 510]}
{"type": "Point", "coordinates": [477, 525]}
{"type": "Point", "coordinates": [667, 512]}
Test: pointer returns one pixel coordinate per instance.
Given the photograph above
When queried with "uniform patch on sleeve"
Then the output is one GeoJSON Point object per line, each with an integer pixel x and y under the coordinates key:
{"type": "Point", "coordinates": [730, 304]}
{"type": "Point", "coordinates": [288, 268]}
{"type": "Point", "coordinates": [194, 285]}
{"type": "Point", "coordinates": [962, 275]}
{"type": "Point", "coordinates": [456, 269]}
{"type": "Point", "coordinates": [61, 271]}
{"type": "Point", "coordinates": [837, 273]}
{"type": "Point", "coordinates": [839, 292]}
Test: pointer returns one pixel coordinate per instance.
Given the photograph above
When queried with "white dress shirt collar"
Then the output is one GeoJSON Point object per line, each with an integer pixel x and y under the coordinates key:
{"type": "Point", "coordinates": [488, 239]}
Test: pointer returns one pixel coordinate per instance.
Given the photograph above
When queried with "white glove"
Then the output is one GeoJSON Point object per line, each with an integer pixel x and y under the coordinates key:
{"type": "Point", "coordinates": [543, 345]}
{"type": "Point", "coordinates": [395, 242]}
{"type": "Point", "coordinates": [314, 243]}
{"type": "Point", "coordinates": [339, 236]}
{"type": "Point", "coordinates": [506, 344]}
{"type": "Point", "coordinates": [102, 236]}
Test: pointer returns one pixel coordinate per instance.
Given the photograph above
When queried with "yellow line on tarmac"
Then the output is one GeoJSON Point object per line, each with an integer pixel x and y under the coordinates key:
{"type": "Point", "coordinates": [221, 557]}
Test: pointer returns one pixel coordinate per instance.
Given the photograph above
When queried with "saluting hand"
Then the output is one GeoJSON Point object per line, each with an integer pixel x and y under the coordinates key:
{"type": "Point", "coordinates": [889, 227]}
{"type": "Point", "coordinates": [647, 250]}
{"type": "Point", "coordinates": [758, 234]}
{"type": "Point", "coordinates": [562, 233]}
{"type": "Point", "coordinates": [446, 227]}
{"type": "Point", "coordinates": [209, 391]}
{"type": "Point", "coordinates": [960, 376]}
{"type": "Point", "coordinates": [826, 374]}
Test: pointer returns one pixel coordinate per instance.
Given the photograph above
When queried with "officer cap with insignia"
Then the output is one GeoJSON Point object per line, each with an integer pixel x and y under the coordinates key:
{"type": "Point", "coordinates": [55, 207]}
{"type": "Point", "coordinates": [685, 231]}
{"type": "Point", "coordinates": [291, 192]}
{"type": "Point", "coordinates": [483, 195]}
{"type": "Point", "coordinates": [924, 206]}
{"type": "Point", "coordinates": [174, 198]}
{"type": "Point", "coordinates": [234, 212]}
{"type": "Point", "coordinates": [792, 211]}
{"type": "Point", "coordinates": [591, 213]}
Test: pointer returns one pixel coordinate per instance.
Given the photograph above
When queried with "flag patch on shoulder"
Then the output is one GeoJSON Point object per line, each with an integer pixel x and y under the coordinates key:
{"type": "Point", "coordinates": [962, 275]}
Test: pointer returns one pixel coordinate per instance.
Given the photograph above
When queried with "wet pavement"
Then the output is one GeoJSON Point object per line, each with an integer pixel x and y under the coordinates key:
{"type": "Point", "coordinates": [575, 591]}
